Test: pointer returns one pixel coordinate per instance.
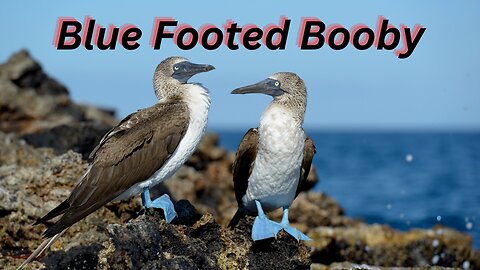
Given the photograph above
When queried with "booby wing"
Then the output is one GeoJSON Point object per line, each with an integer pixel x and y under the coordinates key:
{"type": "Point", "coordinates": [129, 154]}
{"type": "Point", "coordinates": [308, 152]}
{"type": "Point", "coordinates": [243, 166]}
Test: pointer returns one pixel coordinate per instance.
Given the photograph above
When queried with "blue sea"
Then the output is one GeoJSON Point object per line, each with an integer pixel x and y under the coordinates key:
{"type": "Point", "coordinates": [403, 179]}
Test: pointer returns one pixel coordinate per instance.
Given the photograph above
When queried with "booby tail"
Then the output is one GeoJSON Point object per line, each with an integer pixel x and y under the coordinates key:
{"type": "Point", "coordinates": [45, 244]}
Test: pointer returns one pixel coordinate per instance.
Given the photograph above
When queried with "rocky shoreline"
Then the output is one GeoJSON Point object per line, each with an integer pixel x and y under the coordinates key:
{"type": "Point", "coordinates": [44, 140]}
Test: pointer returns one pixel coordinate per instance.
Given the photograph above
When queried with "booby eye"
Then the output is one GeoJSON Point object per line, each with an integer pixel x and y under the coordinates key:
{"type": "Point", "coordinates": [277, 83]}
{"type": "Point", "coordinates": [175, 68]}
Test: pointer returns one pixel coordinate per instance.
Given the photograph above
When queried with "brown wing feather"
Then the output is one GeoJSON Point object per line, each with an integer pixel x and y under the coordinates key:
{"type": "Point", "coordinates": [242, 168]}
{"type": "Point", "coordinates": [308, 153]}
{"type": "Point", "coordinates": [129, 154]}
{"type": "Point", "coordinates": [243, 165]}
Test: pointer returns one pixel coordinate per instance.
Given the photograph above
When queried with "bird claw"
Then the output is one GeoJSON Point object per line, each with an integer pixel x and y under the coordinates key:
{"type": "Point", "coordinates": [263, 228]}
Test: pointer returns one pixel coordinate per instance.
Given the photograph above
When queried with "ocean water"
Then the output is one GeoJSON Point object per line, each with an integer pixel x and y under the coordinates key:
{"type": "Point", "coordinates": [403, 179]}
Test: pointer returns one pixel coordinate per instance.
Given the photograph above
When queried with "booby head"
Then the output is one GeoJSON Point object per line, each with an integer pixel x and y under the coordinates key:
{"type": "Point", "coordinates": [174, 71]}
{"type": "Point", "coordinates": [286, 88]}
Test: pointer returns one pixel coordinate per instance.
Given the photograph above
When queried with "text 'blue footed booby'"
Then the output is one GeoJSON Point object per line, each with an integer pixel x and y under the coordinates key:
{"type": "Point", "coordinates": [143, 150]}
{"type": "Point", "coordinates": [273, 160]}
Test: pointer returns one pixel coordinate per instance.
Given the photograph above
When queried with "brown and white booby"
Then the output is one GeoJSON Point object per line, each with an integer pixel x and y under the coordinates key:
{"type": "Point", "coordinates": [143, 150]}
{"type": "Point", "coordinates": [273, 160]}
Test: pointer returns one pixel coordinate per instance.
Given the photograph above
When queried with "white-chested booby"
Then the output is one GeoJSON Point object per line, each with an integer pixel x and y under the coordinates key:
{"type": "Point", "coordinates": [143, 150]}
{"type": "Point", "coordinates": [273, 160]}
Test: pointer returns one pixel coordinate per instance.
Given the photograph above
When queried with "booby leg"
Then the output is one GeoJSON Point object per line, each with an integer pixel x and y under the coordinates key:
{"type": "Point", "coordinates": [264, 228]}
{"type": "Point", "coordinates": [162, 202]}
{"type": "Point", "coordinates": [290, 230]}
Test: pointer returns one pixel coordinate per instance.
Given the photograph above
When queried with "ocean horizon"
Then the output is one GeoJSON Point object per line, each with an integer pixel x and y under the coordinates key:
{"type": "Point", "coordinates": [403, 178]}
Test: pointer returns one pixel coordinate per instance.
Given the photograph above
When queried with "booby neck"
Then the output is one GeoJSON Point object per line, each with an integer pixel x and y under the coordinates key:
{"type": "Point", "coordinates": [283, 109]}
{"type": "Point", "coordinates": [197, 98]}
{"type": "Point", "coordinates": [191, 93]}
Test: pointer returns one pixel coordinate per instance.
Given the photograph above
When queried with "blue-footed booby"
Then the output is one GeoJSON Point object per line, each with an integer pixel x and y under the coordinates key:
{"type": "Point", "coordinates": [273, 160]}
{"type": "Point", "coordinates": [143, 150]}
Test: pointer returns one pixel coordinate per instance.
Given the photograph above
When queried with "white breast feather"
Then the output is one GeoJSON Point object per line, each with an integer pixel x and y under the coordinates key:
{"type": "Point", "coordinates": [276, 170]}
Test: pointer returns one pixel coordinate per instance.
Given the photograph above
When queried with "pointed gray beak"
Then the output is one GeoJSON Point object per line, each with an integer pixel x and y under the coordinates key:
{"type": "Point", "coordinates": [185, 70]}
{"type": "Point", "coordinates": [268, 86]}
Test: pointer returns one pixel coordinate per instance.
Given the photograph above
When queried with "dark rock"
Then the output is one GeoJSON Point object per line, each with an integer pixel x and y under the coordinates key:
{"type": "Point", "coordinates": [79, 137]}
{"type": "Point", "coordinates": [79, 257]}
{"type": "Point", "coordinates": [186, 213]}
{"type": "Point", "coordinates": [31, 101]}
{"type": "Point", "coordinates": [149, 242]}
{"type": "Point", "coordinates": [283, 252]}
{"type": "Point", "coordinates": [383, 246]}
{"type": "Point", "coordinates": [25, 72]}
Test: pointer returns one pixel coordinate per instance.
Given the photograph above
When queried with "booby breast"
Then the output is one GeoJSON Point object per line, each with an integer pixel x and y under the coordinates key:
{"type": "Point", "coordinates": [276, 170]}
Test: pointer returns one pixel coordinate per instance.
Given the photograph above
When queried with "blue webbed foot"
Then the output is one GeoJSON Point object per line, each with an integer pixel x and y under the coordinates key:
{"type": "Point", "coordinates": [264, 228]}
{"type": "Point", "coordinates": [166, 204]}
{"type": "Point", "coordinates": [162, 202]}
{"type": "Point", "coordinates": [296, 233]}
{"type": "Point", "coordinates": [290, 230]}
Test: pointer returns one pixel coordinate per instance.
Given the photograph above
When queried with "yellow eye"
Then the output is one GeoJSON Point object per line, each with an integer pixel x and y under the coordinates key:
{"type": "Point", "coordinates": [175, 68]}
{"type": "Point", "coordinates": [277, 83]}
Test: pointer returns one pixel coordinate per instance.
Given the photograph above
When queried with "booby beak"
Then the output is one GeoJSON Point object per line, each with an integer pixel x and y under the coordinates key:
{"type": "Point", "coordinates": [268, 86]}
{"type": "Point", "coordinates": [185, 70]}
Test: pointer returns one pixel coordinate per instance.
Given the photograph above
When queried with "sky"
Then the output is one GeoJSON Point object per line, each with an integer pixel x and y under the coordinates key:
{"type": "Point", "coordinates": [437, 87]}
